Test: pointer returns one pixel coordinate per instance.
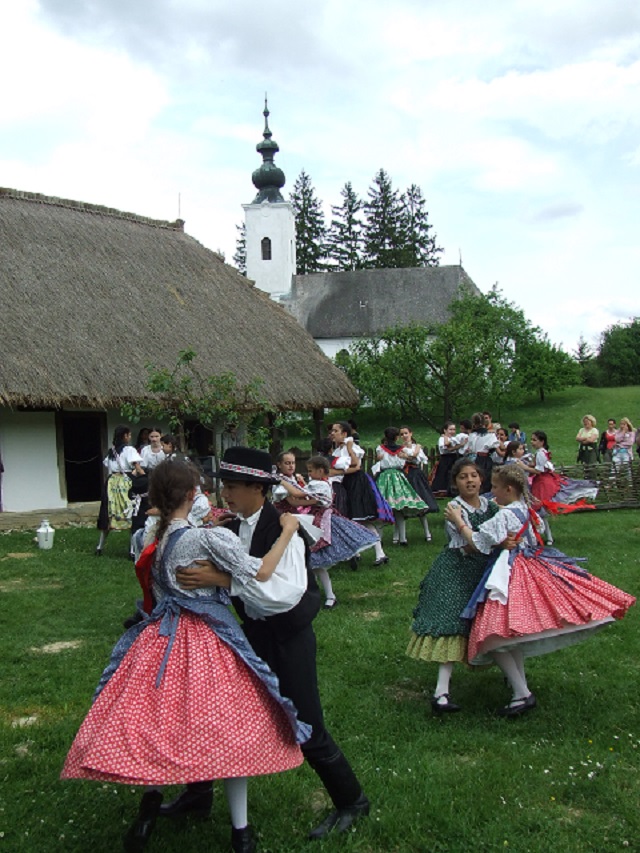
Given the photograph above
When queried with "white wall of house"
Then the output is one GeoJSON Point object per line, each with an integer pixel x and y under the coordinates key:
{"type": "Point", "coordinates": [31, 478]}
{"type": "Point", "coordinates": [332, 346]}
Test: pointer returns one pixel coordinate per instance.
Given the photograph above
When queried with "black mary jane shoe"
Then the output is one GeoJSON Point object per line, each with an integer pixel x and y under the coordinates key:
{"type": "Point", "coordinates": [381, 561]}
{"type": "Point", "coordinates": [440, 708]}
{"type": "Point", "coordinates": [192, 802]}
{"type": "Point", "coordinates": [330, 604]}
{"type": "Point", "coordinates": [243, 840]}
{"type": "Point", "coordinates": [341, 820]}
{"type": "Point", "coordinates": [137, 836]}
{"type": "Point", "coordinates": [517, 707]}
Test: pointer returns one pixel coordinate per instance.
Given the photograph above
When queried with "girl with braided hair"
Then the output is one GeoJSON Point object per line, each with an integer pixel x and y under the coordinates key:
{"type": "Point", "coordinates": [184, 697]}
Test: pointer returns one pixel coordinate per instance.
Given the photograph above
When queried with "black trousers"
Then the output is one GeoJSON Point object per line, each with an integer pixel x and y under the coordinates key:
{"type": "Point", "coordinates": [293, 659]}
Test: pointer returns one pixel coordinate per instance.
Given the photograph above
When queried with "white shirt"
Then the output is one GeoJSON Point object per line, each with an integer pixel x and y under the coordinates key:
{"type": "Point", "coordinates": [124, 462]}
{"type": "Point", "coordinates": [285, 587]}
{"type": "Point", "coordinates": [151, 458]}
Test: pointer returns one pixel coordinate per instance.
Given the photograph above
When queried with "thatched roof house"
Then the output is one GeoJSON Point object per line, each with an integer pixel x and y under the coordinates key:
{"type": "Point", "coordinates": [90, 294]}
{"type": "Point", "coordinates": [339, 308]}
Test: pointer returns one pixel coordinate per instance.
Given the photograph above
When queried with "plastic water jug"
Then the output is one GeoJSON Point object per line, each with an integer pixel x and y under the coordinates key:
{"type": "Point", "coordinates": [45, 535]}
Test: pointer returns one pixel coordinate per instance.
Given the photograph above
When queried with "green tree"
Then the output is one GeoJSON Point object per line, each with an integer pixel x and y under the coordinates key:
{"type": "Point", "coordinates": [485, 354]}
{"type": "Point", "coordinates": [420, 248]}
{"type": "Point", "coordinates": [344, 239]}
{"type": "Point", "coordinates": [240, 256]}
{"type": "Point", "coordinates": [310, 226]}
{"type": "Point", "coordinates": [618, 357]}
{"type": "Point", "coordinates": [384, 230]}
{"type": "Point", "coordinates": [182, 393]}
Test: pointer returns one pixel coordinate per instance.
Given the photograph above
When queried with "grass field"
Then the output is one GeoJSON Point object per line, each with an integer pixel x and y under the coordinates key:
{"type": "Point", "coordinates": [563, 778]}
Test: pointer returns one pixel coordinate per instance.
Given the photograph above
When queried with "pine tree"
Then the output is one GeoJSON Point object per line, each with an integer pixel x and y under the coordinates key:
{"type": "Point", "coordinates": [344, 240]}
{"type": "Point", "coordinates": [420, 248]}
{"type": "Point", "coordinates": [384, 238]}
{"type": "Point", "coordinates": [240, 256]}
{"type": "Point", "coordinates": [310, 226]}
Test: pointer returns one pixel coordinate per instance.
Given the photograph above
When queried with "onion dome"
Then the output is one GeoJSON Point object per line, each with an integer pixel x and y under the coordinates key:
{"type": "Point", "coordinates": [268, 179]}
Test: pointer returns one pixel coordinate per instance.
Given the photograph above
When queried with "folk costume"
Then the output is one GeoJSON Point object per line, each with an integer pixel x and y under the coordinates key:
{"type": "Point", "coordinates": [415, 458]}
{"type": "Point", "coordinates": [534, 599]}
{"type": "Point", "coordinates": [447, 458]}
{"type": "Point", "coordinates": [556, 493]}
{"type": "Point", "coordinates": [438, 632]}
{"type": "Point", "coordinates": [185, 697]}
{"type": "Point", "coordinates": [397, 490]}
{"type": "Point", "coordinates": [115, 496]}
{"type": "Point", "coordinates": [286, 640]}
{"type": "Point", "coordinates": [480, 446]}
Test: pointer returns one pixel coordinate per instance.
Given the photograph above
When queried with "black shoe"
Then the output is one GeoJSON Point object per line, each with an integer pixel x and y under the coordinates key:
{"type": "Point", "coordinates": [242, 840]}
{"type": "Point", "coordinates": [139, 833]}
{"type": "Point", "coordinates": [354, 562]}
{"type": "Point", "coordinates": [192, 801]}
{"type": "Point", "coordinates": [381, 561]}
{"type": "Point", "coordinates": [330, 604]}
{"type": "Point", "coordinates": [98, 552]}
{"type": "Point", "coordinates": [518, 706]}
{"type": "Point", "coordinates": [404, 543]}
{"type": "Point", "coordinates": [440, 708]}
{"type": "Point", "coordinates": [341, 820]}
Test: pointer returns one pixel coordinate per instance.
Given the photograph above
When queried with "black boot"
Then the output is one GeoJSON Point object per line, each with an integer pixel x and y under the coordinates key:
{"type": "Point", "coordinates": [195, 800]}
{"type": "Point", "coordinates": [139, 833]}
{"type": "Point", "coordinates": [242, 840]}
{"type": "Point", "coordinates": [340, 820]}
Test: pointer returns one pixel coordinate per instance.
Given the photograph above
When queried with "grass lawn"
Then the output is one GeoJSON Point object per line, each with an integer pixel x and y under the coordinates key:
{"type": "Point", "coordinates": [563, 778]}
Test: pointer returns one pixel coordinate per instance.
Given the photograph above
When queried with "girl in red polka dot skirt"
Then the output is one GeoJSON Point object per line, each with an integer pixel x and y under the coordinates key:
{"type": "Point", "coordinates": [184, 697]}
{"type": "Point", "coordinates": [532, 600]}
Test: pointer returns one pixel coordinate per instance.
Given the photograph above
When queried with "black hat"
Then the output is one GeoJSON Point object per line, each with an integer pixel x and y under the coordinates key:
{"type": "Point", "coordinates": [246, 465]}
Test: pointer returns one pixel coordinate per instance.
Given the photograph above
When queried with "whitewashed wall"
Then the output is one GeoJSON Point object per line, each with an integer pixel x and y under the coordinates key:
{"type": "Point", "coordinates": [31, 479]}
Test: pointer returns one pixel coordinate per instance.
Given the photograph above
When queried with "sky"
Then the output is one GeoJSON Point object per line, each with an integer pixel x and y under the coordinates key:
{"type": "Point", "coordinates": [519, 120]}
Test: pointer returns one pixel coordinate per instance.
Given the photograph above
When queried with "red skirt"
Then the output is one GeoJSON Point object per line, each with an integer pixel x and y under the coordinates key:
{"type": "Point", "coordinates": [548, 607]}
{"type": "Point", "coordinates": [210, 718]}
{"type": "Point", "coordinates": [546, 485]}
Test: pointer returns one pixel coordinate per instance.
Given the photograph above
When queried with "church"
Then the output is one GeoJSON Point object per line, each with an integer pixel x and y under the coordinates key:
{"type": "Point", "coordinates": [336, 308]}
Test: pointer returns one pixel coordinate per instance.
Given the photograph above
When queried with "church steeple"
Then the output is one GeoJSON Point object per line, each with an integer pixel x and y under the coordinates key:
{"type": "Point", "coordinates": [268, 179]}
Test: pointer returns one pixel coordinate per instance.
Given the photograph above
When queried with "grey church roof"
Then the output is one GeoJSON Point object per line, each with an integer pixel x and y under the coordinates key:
{"type": "Point", "coordinates": [363, 303]}
{"type": "Point", "coordinates": [90, 295]}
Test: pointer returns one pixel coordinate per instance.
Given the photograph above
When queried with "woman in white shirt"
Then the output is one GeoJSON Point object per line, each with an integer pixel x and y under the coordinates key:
{"type": "Point", "coordinates": [122, 463]}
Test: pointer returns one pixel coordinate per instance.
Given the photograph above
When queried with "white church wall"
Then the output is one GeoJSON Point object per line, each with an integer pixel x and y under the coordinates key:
{"type": "Point", "coordinates": [274, 221]}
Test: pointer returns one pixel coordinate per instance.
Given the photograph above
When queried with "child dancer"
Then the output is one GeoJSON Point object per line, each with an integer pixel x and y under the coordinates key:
{"type": "Point", "coordinates": [356, 493]}
{"type": "Point", "coordinates": [415, 457]}
{"type": "Point", "coordinates": [532, 600]}
{"type": "Point", "coordinates": [448, 448]}
{"type": "Point", "coordinates": [184, 697]}
{"type": "Point", "coordinates": [342, 539]}
{"type": "Point", "coordinates": [482, 442]}
{"type": "Point", "coordinates": [439, 634]}
{"type": "Point", "coordinates": [394, 486]}
{"type": "Point", "coordinates": [553, 492]}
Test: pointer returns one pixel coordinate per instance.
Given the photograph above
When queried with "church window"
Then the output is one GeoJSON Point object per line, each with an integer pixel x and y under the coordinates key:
{"type": "Point", "coordinates": [266, 249]}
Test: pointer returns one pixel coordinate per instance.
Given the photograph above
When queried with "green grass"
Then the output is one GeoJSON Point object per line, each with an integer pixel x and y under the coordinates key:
{"type": "Point", "coordinates": [560, 417]}
{"type": "Point", "coordinates": [564, 778]}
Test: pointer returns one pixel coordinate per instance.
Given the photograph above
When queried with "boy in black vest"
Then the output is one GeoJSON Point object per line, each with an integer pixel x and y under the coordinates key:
{"type": "Point", "coordinates": [284, 638]}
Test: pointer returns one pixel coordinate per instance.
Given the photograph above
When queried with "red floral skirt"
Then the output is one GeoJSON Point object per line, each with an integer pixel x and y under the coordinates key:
{"type": "Point", "coordinates": [210, 718]}
{"type": "Point", "coordinates": [548, 607]}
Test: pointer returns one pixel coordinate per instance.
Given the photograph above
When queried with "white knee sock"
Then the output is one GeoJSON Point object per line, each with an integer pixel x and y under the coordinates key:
{"type": "Point", "coordinates": [400, 525]}
{"type": "Point", "coordinates": [444, 678]}
{"type": "Point", "coordinates": [323, 576]}
{"type": "Point", "coordinates": [236, 791]}
{"type": "Point", "coordinates": [377, 545]}
{"type": "Point", "coordinates": [103, 539]}
{"type": "Point", "coordinates": [425, 525]}
{"type": "Point", "coordinates": [516, 679]}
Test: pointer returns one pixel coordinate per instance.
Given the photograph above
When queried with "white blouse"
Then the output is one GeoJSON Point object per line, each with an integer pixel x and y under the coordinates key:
{"type": "Point", "coordinates": [150, 458]}
{"type": "Point", "coordinates": [122, 464]}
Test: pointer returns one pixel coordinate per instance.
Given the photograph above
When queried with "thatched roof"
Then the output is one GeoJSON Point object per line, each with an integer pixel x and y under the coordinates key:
{"type": "Point", "coordinates": [90, 294]}
{"type": "Point", "coordinates": [364, 303]}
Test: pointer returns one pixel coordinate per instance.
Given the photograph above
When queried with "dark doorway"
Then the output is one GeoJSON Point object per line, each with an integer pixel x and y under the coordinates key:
{"type": "Point", "coordinates": [83, 452]}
